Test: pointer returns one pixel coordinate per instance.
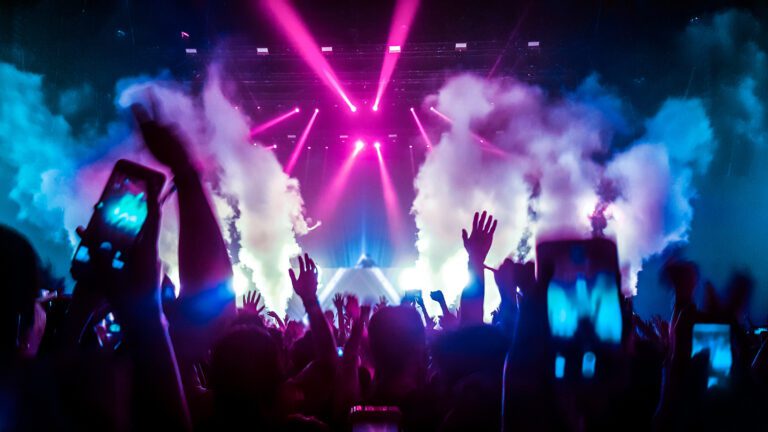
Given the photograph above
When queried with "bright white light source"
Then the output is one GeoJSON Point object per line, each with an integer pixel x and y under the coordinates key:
{"type": "Point", "coordinates": [291, 136]}
{"type": "Point", "coordinates": [533, 44]}
{"type": "Point", "coordinates": [191, 51]}
{"type": "Point", "coordinates": [262, 51]}
{"type": "Point", "coordinates": [326, 49]}
{"type": "Point", "coordinates": [359, 144]}
{"type": "Point", "coordinates": [461, 46]}
{"type": "Point", "coordinates": [377, 145]}
{"type": "Point", "coordinates": [393, 49]}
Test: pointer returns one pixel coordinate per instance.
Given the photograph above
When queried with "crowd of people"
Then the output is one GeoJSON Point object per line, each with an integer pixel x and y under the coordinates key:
{"type": "Point", "coordinates": [117, 354]}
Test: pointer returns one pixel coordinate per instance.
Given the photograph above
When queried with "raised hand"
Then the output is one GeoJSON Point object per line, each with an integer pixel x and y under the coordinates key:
{"type": "Point", "coordinates": [511, 276]}
{"type": "Point", "coordinates": [437, 296]}
{"type": "Point", "coordinates": [305, 285]}
{"type": "Point", "coordinates": [162, 140]}
{"type": "Point", "coordinates": [251, 301]}
{"type": "Point", "coordinates": [277, 319]}
{"type": "Point", "coordinates": [381, 304]}
{"type": "Point", "coordinates": [338, 302]}
{"type": "Point", "coordinates": [478, 241]}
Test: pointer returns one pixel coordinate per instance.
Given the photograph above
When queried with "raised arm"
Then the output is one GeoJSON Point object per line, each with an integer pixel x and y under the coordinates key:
{"type": "Point", "coordinates": [305, 286]}
{"type": "Point", "coordinates": [477, 244]}
{"type": "Point", "coordinates": [133, 293]}
{"type": "Point", "coordinates": [203, 259]}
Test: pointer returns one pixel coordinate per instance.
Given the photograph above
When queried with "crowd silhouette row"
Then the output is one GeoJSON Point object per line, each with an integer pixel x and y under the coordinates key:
{"type": "Point", "coordinates": [120, 354]}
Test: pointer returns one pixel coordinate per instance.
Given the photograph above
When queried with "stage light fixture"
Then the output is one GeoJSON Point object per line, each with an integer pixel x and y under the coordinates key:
{"type": "Point", "coordinates": [191, 51]}
{"type": "Point", "coordinates": [326, 49]}
{"type": "Point", "coordinates": [184, 35]}
{"type": "Point", "coordinates": [262, 51]}
{"type": "Point", "coordinates": [359, 145]}
{"type": "Point", "coordinates": [377, 145]}
{"type": "Point", "coordinates": [297, 109]}
{"type": "Point", "coordinates": [291, 136]}
{"type": "Point", "coordinates": [461, 46]}
{"type": "Point", "coordinates": [533, 44]}
{"type": "Point", "coordinates": [394, 49]}
{"type": "Point", "coordinates": [353, 108]}
{"type": "Point", "coordinates": [375, 108]}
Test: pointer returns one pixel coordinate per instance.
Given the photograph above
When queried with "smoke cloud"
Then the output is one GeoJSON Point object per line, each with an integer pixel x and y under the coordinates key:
{"type": "Point", "coordinates": [559, 157]}
{"type": "Point", "coordinates": [57, 176]}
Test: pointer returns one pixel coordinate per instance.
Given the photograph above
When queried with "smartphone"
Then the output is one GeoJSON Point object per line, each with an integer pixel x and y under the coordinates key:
{"type": "Point", "coordinates": [119, 215]}
{"type": "Point", "coordinates": [108, 332]}
{"type": "Point", "coordinates": [582, 282]}
{"type": "Point", "coordinates": [411, 297]}
{"type": "Point", "coordinates": [370, 418]}
{"type": "Point", "coordinates": [716, 338]}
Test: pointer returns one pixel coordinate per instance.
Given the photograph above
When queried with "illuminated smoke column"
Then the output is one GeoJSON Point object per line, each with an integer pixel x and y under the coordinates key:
{"type": "Point", "coordinates": [300, 144]}
{"type": "Point", "coordinates": [297, 33]}
{"type": "Point", "coordinates": [405, 10]}
{"type": "Point", "coordinates": [58, 176]}
{"type": "Point", "coordinates": [251, 192]}
{"type": "Point", "coordinates": [553, 146]}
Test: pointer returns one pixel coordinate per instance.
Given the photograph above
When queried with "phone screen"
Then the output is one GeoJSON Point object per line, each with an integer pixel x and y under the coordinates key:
{"type": "Point", "coordinates": [121, 212]}
{"type": "Point", "coordinates": [717, 339]}
{"type": "Point", "coordinates": [371, 418]}
{"type": "Point", "coordinates": [583, 290]}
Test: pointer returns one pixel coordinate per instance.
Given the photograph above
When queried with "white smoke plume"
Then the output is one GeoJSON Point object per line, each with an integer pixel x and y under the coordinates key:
{"type": "Point", "coordinates": [555, 145]}
{"type": "Point", "coordinates": [57, 176]}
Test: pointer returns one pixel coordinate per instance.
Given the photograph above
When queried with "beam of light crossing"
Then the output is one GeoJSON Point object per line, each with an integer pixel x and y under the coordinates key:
{"type": "Point", "coordinates": [269, 123]}
{"type": "Point", "coordinates": [484, 143]}
{"type": "Point", "coordinates": [297, 33]}
{"type": "Point", "coordinates": [300, 144]}
{"type": "Point", "coordinates": [391, 202]}
{"type": "Point", "coordinates": [333, 194]}
{"type": "Point", "coordinates": [402, 18]}
{"type": "Point", "coordinates": [423, 133]}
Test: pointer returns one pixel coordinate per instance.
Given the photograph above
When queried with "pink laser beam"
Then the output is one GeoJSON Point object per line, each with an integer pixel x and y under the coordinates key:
{"type": "Point", "coordinates": [333, 193]}
{"type": "Point", "coordinates": [405, 11]}
{"type": "Point", "coordinates": [269, 123]}
{"type": "Point", "coordinates": [421, 129]}
{"type": "Point", "coordinates": [300, 144]}
{"type": "Point", "coordinates": [391, 202]}
{"type": "Point", "coordinates": [297, 33]}
{"type": "Point", "coordinates": [484, 143]}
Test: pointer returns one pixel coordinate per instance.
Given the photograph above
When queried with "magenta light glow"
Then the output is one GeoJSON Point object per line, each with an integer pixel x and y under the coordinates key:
{"type": "Point", "coordinates": [297, 33]}
{"type": "Point", "coordinates": [359, 146]}
{"type": "Point", "coordinates": [423, 133]}
{"type": "Point", "coordinates": [484, 143]}
{"type": "Point", "coordinates": [402, 18]}
{"type": "Point", "coordinates": [391, 202]}
{"type": "Point", "coordinates": [333, 194]}
{"type": "Point", "coordinates": [269, 123]}
{"type": "Point", "coordinates": [300, 144]}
